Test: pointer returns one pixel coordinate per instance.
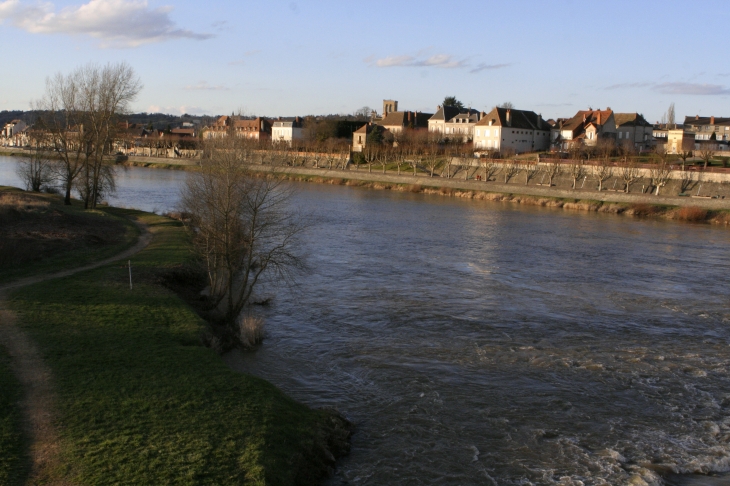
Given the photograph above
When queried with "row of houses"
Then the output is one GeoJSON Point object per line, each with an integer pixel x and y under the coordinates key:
{"type": "Point", "coordinates": [500, 130]}
{"type": "Point", "coordinates": [520, 131]}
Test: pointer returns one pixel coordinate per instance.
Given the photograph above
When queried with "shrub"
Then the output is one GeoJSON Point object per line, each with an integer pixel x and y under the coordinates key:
{"type": "Point", "coordinates": [643, 209]}
{"type": "Point", "coordinates": [692, 213]}
{"type": "Point", "coordinates": [250, 330]}
{"type": "Point", "coordinates": [415, 188]}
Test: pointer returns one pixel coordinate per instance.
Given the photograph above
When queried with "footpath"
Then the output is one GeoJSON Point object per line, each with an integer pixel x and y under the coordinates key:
{"type": "Point", "coordinates": [34, 374]}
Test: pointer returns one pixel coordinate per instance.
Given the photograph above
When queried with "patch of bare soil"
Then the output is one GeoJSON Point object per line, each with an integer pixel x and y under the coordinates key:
{"type": "Point", "coordinates": [32, 229]}
{"type": "Point", "coordinates": [38, 396]}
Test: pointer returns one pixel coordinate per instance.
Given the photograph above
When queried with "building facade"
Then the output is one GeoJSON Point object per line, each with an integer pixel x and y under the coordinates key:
{"type": "Point", "coordinates": [633, 129]}
{"type": "Point", "coordinates": [506, 129]}
{"type": "Point", "coordinates": [286, 130]}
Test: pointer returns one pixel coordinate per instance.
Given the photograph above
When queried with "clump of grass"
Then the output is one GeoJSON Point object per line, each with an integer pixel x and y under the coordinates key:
{"type": "Point", "coordinates": [415, 188]}
{"type": "Point", "coordinates": [250, 330]}
{"type": "Point", "coordinates": [446, 191]}
{"type": "Point", "coordinates": [692, 213]}
{"type": "Point", "coordinates": [643, 209]}
{"type": "Point", "coordinates": [337, 182]}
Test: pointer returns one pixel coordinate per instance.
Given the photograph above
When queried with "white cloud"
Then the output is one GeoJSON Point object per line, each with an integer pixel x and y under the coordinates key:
{"type": "Point", "coordinates": [445, 61]}
{"type": "Point", "coordinates": [204, 86]}
{"type": "Point", "coordinates": [116, 23]}
{"type": "Point", "coordinates": [692, 89]}
{"type": "Point", "coordinates": [483, 66]}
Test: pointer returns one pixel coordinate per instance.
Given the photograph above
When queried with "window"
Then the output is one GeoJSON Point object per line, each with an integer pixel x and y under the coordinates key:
{"type": "Point", "coordinates": [620, 134]}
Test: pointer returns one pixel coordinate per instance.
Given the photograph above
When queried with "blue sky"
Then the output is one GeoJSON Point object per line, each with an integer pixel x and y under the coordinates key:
{"type": "Point", "coordinates": [304, 57]}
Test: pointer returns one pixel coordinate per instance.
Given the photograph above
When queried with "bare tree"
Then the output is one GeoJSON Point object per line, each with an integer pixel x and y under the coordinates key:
{"type": "Point", "coordinates": [432, 157]}
{"type": "Point", "coordinates": [684, 155]}
{"type": "Point", "coordinates": [508, 105]}
{"type": "Point", "coordinates": [602, 171]}
{"type": "Point", "coordinates": [370, 153]}
{"type": "Point", "coordinates": [687, 181]}
{"type": "Point", "coordinates": [659, 175]}
{"type": "Point", "coordinates": [490, 169]}
{"type": "Point", "coordinates": [706, 154]}
{"type": "Point", "coordinates": [510, 169]}
{"type": "Point", "coordinates": [530, 169]}
{"type": "Point", "coordinates": [82, 108]}
{"type": "Point", "coordinates": [242, 227]}
{"type": "Point", "coordinates": [577, 170]}
{"type": "Point", "coordinates": [670, 115]}
{"type": "Point", "coordinates": [552, 169]}
{"type": "Point", "coordinates": [629, 173]}
{"type": "Point", "coordinates": [36, 170]}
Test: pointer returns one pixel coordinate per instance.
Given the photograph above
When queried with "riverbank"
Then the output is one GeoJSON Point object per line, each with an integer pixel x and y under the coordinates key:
{"type": "Point", "coordinates": [712, 207]}
{"type": "Point", "coordinates": [138, 399]}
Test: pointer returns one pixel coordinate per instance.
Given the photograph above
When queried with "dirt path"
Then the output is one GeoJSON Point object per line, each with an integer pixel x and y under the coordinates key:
{"type": "Point", "coordinates": [34, 375]}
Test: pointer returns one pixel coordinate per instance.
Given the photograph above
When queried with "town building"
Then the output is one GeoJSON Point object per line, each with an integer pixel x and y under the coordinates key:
{"type": "Point", "coordinates": [632, 128]}
{"type": "Point", "coordinates": [507, 129]}
{"type": "Point", "coordinates": [257, 128]}
{"type": "Point", "coordinates": [286, 130]}
{"type": "Point", "coordinates": [586, 128]}
{"type": "Point", "coordinates": [11, 132]}
{"type": "Point", "coordinates": [678, 141]}
{"type": "Point", "coordinates": [361, 135]}
{"type": "Point", "coordinates": [453, 122]}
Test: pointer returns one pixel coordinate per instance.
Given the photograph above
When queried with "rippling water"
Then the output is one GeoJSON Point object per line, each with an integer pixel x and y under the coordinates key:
{"type": "Point", "coordinates": [480, 343]}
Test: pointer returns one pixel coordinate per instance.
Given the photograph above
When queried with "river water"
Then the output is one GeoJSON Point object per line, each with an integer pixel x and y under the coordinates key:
{"type": "Point", "coordinates": [482, 343]}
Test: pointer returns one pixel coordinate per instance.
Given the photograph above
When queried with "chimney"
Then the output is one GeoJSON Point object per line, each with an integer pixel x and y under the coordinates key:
{"type": "Point", "coordinates": [509, 117]}
{"type": "Point", "coordinates": [697, 117]}
{"type": "Point", "coordinates": [599, 118]}
{"type": "Point", "coordinates": [712, 120]}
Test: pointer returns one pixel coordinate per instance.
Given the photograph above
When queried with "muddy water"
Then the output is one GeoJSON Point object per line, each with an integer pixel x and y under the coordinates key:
{"type": "Point", "coordinates": [478, 343]}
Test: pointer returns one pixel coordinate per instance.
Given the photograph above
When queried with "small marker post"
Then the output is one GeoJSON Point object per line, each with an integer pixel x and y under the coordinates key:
{"type": "Point", "coordinates": [130, 274]}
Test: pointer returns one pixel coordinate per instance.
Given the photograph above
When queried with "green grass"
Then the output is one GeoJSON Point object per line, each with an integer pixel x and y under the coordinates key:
{"type": "Point", "coordinates": [141, 401]}
{"type": "Point", "coordinates": [82, 254]}
{"type": "Point", "coordinates": [13, 458]}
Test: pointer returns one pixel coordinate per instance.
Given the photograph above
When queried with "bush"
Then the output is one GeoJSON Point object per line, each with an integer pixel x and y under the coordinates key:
{"type": "Point", "coordinates": [415, 188]}
{"type": "Point", "coordinates": [642, 209]}
{"type": "Point", "coordinates": [692, 213]}
{"type": "Point", "coordinates": [250, 331]}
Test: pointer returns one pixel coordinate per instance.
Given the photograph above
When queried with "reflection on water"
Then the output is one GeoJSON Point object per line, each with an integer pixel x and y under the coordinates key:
{"type": "Point", "coordinates": [479, 343]}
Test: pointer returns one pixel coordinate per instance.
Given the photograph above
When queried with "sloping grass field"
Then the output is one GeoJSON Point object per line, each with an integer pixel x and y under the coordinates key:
{"type": "Point", "coordinates": [140, 400]}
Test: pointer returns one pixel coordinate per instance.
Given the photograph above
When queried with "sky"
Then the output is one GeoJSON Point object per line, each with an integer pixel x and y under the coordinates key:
{"type": "Point", "coordinates": [286, 58]}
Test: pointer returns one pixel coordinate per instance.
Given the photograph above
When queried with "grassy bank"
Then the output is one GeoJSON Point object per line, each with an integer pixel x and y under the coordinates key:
{"type": "Point", "coordinates": [140, 401]}
{"type": "Point", "coordinates": [39, 234]}
{"type": "Point", "coordinates": [666, 211]}
{"type": "Point", "coordinates": [13, 457]}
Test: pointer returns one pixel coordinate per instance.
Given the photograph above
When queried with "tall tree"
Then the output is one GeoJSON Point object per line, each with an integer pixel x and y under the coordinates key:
{"type": "Point", "coordinates": [82, 110]}
{"type": "Point", "coordinates": [452, 101]}
{"type": "Point", "coordinates": [670, 116]}
{"type": "Point", "coordinates": [243, 229]}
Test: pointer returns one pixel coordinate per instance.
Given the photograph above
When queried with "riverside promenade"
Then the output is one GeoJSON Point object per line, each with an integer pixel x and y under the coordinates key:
{"type": "Point", "coordinates": [516, 186]}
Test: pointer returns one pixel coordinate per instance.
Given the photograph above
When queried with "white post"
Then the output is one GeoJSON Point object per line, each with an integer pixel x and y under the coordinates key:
{"type": "Point", "coordinates": [130, 274]}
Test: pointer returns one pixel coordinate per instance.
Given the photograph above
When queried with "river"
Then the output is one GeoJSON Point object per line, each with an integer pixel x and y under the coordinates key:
{"type": "Point", "coordinates": [484, 343]}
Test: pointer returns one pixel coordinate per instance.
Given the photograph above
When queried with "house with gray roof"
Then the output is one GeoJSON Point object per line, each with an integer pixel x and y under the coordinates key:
{"type": "Point", "coordinates": [633, 129]}
{"type": "Point", "coordinates": [507, 129]}
{"type": "Point", "coordinates": [453, 122]}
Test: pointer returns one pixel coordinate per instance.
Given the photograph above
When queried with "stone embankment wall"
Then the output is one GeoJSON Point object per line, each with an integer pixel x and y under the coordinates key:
{"type": "Point", "coordinates": [510, 188]}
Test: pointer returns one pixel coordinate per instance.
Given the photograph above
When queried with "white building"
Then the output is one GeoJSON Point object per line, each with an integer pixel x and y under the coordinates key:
{"type": "Point", "coordinates": [11, 130]}
{"type": "Point", "coordinates": [287, 129]}
{"type": "Point", "coordinates": [509, 129]}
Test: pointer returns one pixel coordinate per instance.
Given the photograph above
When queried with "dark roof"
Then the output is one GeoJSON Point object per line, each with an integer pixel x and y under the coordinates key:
{"type": "Point", "coordinates": [630, 120]}
{"type": "Point", "coordinates": [705, 120]}
{"type": "Point", "coordinates": [584, 117]}
{"type": "Point", "coordinates": [405, 119]}
{"type": "Point", "coordinates": [528, 120]}
{"type": "Point", "coordinates": [445, 113]}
